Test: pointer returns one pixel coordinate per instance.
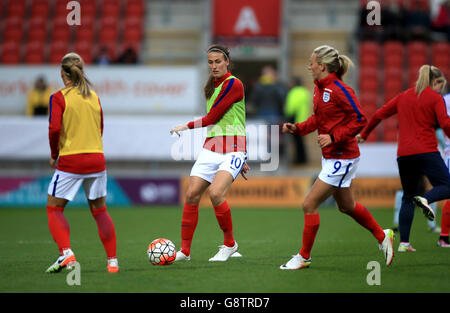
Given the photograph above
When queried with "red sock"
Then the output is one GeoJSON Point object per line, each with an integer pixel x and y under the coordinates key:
{"type": "Point", "coordinates": [188, 225]}
{"type": "Point", "coordinates": [223, 215]}
{"type": "Point", "coordinates": [59, 227]}
{"type": "Point", "coordinates": [366, 220]}
{"type": "Point", "coordinates": [445, 219]}
{"type": "Point", "coordinates": [312, 222]}
{"type": "Point", "coordinates": [106, 231]}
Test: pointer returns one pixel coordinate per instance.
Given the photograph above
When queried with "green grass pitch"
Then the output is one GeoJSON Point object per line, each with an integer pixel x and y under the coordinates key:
{"type": "Point", "coordinates": [267, 238]}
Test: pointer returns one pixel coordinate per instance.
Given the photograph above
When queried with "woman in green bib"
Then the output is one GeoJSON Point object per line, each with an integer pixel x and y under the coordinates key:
{"type": "Point", "coordinates": [223, 155]}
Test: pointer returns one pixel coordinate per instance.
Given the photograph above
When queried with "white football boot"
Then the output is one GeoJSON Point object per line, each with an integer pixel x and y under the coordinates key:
{"type": "Point", "coordinates": [387, 246]}
{"type": "Point", "coordinates": [422, 203]}
{"type": "Point", "coordinates": [224, 253]}
{"type": "Point", "coordinates": [67, 259]}
{"type": "Point", "coordinates": [182, 257]}
{"type": "Point", "coordinates": [297, 262]}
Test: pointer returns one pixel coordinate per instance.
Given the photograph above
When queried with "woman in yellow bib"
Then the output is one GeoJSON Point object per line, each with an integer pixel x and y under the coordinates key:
{"type": "Point", "coordinates": [223, 155]}
{"type": "Point", "coordinates": [75, 135]}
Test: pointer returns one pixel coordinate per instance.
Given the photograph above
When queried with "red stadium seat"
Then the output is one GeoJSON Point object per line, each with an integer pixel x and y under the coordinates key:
{"type": "Point", "coordinates": [132, 35]}
{"type": "Point", "coordinates": [440, 48]}
{"type": "Point", "coordinates": [16, 8]}
{"type": "Point", "coordinates": [85, 50]}
{"type": "Point", "coordinates": [13, 34]}
{"type": "Point", "coordinates": [369, 60]}
{"type": "Point", "coordinates": [10, 58]}
{"type": "Point", "coordinates": [85, 34]}
{"type": "Point", "coordinates": [110, 8]}
{"type": "Point", "coordinates": [392, 87]}
{"type": "Point", "coordinates": [441, 56]}
{"type": "Point", "coordinates": [60, 9]}
{"type": "Point", "coordinates": [61, 33]}
{"type": "Point", "coordinates": [133, 22]}
{"type": "Point", "coordinates": [88, 8]}
{"type": "Point", "coordinates": [393, 47]}
{"type": "Point", "coordinates": [135, 8]}
{"type": "Point", "coordinates": [40, 8]}
{"type": "Point", "coordinates": [393, 73]}
{"type": "Point", "coordinates": [393, 54]}
{"type": "Point", "coordinates": [108, 35]}
{"type": "Point", "coordinates": [369, 47]}
{"type": "Point", "coordinates": [57, 50]}
{"type": "Point", "coordinates": [417, 60]}
{"type": "Point", "coordinates": [37, 34]}
{"type": "Point", "coordinates": [109, 22]}
{"type": "Point", "coordinates": [368, 85]}
{"type": "Point", "coordinates": [441, 61]}
{"type": "Point", "coordinates": [368, 80]}
{"type": "Point", "coordinates": [60, 21]}
{"type": "Point", "coordinates": [417, 47]}
{"type": "Point", "coordinates": [37, 22]}
{"type": "Point", "coordinates": [35, 47]}
{"type": "Point", "coordinates": [12, 26]}
{"type": "Point", "coordinates": [10, 52]}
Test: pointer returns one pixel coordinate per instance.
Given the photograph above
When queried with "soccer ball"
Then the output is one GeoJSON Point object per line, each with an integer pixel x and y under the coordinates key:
{"type": "Point", "coordinates": [161, 252]}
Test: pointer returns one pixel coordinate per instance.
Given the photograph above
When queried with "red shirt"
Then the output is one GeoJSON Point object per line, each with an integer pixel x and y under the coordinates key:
{"type": "Point", "coordinates": [418, 118]}
{"type": "Point", "coordinates": [337, 112]}
{"type": "Point", "coordinates": [82, 163]}
{"type": "Point", "coordinates": [224, 101]}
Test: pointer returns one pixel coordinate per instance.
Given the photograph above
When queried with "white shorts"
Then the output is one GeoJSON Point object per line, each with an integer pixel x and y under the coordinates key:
{"type": "Point", "coordinates": [338, 172]}
{"type": "Point", "coordinates": [66, 185]}
{"type": "Point", "coordinates": [209, 163]}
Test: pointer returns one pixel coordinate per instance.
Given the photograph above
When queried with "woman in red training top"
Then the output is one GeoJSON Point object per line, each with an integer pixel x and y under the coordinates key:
{"type": "Point", "coordinates": [420, 110]}
{"type": "Point", "coordinates": [338, 118]}
{"type": "Point", "coordinates": [223, 156]}
{"type": "Point", "coordinates": [75, 135]}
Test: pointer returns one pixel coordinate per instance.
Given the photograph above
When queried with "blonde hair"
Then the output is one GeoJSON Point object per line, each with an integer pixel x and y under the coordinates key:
{"type": "Point", "coordinates": [334, 62]}
{"type": "Point", "coordinates": [72, 66]}
{"type": "Point", "coordinates": [427, 74]}
{"type": "Point", "coordinates": [209, 86]}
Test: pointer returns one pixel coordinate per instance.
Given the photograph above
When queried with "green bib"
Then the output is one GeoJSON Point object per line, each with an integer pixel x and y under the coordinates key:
{"type": "Point", "coordinates": [232, 122]}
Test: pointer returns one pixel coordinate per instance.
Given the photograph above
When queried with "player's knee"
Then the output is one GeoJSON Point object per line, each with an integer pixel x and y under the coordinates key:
{"type": "Point", "coordinates": [309, 208]}
{"type": "Point", "coordinates": [193, 196]}
{"type": "Point", "coordinates": [346, 209]}
{"type": "Point", "coordinates": [217, 196]}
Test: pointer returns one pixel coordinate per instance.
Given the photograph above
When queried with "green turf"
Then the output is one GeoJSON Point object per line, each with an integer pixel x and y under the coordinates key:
{"type": "Point", "coordinates": [267, 239]}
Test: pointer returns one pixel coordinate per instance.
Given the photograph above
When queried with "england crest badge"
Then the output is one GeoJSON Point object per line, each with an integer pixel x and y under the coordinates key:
{"type": "Point", "coordinates": [326, 97]}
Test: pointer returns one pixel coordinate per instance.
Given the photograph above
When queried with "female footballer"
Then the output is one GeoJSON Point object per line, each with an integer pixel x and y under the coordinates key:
{"type": "Point", "coordinates": [75, 135]}
{"type": "Point", "coordinates": [419, 110]}
{"type": "Point", "coordinates": [338, 119]}
{"type": "Point", "coordinates": [223, 155]}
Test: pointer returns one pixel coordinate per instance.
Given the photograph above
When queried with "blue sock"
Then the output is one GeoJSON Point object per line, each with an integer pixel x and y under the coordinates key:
{"type": "Point", "coordinates": [405, 219]}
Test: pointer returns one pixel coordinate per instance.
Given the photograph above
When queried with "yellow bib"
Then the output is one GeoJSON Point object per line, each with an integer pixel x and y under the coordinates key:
{"type": "Point", "coordinates": [81, 124]}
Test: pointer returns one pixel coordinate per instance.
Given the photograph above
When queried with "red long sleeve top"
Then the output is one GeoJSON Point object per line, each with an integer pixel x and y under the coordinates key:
{"type": "Point", "coordinates": [337, 112]}
{"type": "Point", "coordinates": [418, 118]}
{"type": "Point", "coordinates": [225, 99]}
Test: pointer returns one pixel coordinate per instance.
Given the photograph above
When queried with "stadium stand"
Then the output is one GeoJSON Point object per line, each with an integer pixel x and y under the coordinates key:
{"type": "Point", "coordinates": [117, 24]}
{"type": "Point", "coordinates": [396, 51]}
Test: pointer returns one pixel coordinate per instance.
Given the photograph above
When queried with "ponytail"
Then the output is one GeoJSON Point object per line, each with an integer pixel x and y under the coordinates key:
{"type": "Point", "coordinates": [72, 65]}
{"type": "Point", "coordinates": [334, 62]}
{"type": "Point", "coordinates": [427, 74]}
